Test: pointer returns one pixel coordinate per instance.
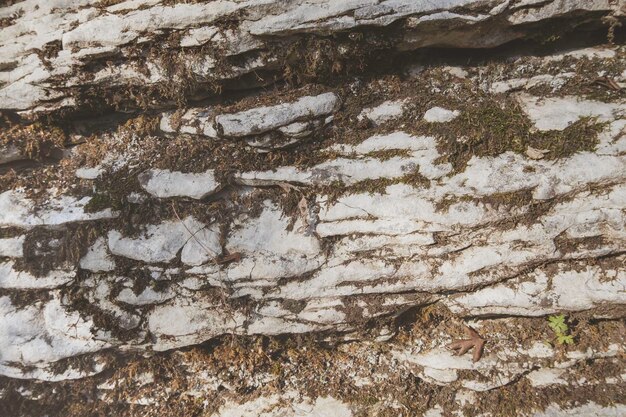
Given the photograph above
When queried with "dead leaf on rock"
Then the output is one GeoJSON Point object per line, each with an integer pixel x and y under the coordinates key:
{"type": "Point", "coordinates": [534, 153]}
{"type": "Point", "coordinates": [226, 259]}
{"type": "Point", "coordinates": [303, 208]}
{"type": "Point", "coordinates": [473, 341]}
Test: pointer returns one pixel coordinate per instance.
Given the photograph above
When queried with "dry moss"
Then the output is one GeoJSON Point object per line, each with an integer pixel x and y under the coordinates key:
{"type": "Point", "coordinates": [35, 141]}
{"type": "Point", "coordinates": [488, 128]}
{"type": "Point", "coordinates": [323, 59]}
{"type": "Point", "coordinates": [586, 73]}
{"type": "Point", "coordinates": [61, 248]}
{"type": "Point", "coordinates": [372, 186]}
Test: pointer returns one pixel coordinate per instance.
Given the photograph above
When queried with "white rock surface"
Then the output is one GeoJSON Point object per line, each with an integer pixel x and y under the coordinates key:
{"type": "Point", "coordinates": [164, 183]}
{"type": "Point", "coordinates": [402, 219]}
{"type": "Point", "coordinates": [558, 113]}
{"type": "Point", "coordinates": [97, 258]}
{"type": "Point", "coordinates": [194, 121]}
{"type": "Point", "coordinates": [540, 293]}
{"type": "Point", "coordinates": [202, 247]}
{"type": "Point", "coordinates": [180, 323]}
{"type": "Point", "coordinates": [40, 334]}
{"type": "Point", "coordinates": [440, 115]}
{"type": "Point", "coordinates": [441, 365]}
{"type": "Point", "coordinates": [274, 406]}
{"type": "Point", "coordinates": [12, 247]}
{"type": "Point", "coordinates": [146, 20]}
{"type": "Point", "coordinates": [551, 9]}
{"type": "Point", "coordinates": [159, 243]}
{"type": "Point", "coordinates": [553, 81]}
{"type": "Point", "coordinates": [597, 52]}
{"type": "Point", "coordinates": [89, 173]}
{"type": "Point", "coordinates": [422, 157]}
{"type": "Point", "coordinates": [19, 211]}
{"type": "Point", "coordinates": [591, 409]}
{"type": "Point", "coordinates": [384, 112]}
{"type": "Point", "coordinates": [147, 297]}
{"type": "Point", "coordinates": [269, 234]}
{"type": "Point", "coordinates": [458, 72]}
{"type": "Point", "coordinates": [267, 251]}
{"type": "Point", "coordinates": [264, 119]}
{"type": "Point", "coordinates": [492, 371]}
{"type": "Point", "coordinates": [10, 278]}
{"type": "Point", "coordinates": [545, 377]}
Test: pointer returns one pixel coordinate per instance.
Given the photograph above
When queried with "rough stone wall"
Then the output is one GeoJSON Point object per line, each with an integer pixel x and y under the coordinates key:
{"type": "Point", "coordinates": [287, 208]}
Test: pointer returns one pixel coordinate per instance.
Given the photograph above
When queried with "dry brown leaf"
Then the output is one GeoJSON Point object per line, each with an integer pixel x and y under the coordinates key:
{"type": "Point", "coordinates": [473, 341]}
{"type": "Point", "coordinates": [534, 153]}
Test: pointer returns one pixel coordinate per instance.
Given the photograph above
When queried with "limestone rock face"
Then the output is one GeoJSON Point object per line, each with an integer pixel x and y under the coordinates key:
{"type": "Point", "coordinates": [89, 32]}
{"type": "Point", "coordinates": [287, 208]}
{"type": "Point", "coordinates": [164, 183]}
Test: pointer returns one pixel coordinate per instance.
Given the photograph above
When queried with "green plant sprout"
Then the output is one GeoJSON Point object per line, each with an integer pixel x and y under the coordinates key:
{"type": "Point", "coordinates": [561, 329]}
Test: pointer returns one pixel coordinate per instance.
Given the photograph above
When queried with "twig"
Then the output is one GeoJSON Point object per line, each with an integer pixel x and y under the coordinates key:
{"type": "Point", "coordinates": [193, 235]}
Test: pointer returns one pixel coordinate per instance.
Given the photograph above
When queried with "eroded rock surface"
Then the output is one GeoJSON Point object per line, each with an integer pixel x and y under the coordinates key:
{"type": "Point", "coordinates": [292, 209]}
{"type": "Point", "coordinates": [205, 50]}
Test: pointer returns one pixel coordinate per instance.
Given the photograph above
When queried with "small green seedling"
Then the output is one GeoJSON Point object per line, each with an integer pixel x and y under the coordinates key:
{"type": "Point", "coordinates": [561, 330]}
